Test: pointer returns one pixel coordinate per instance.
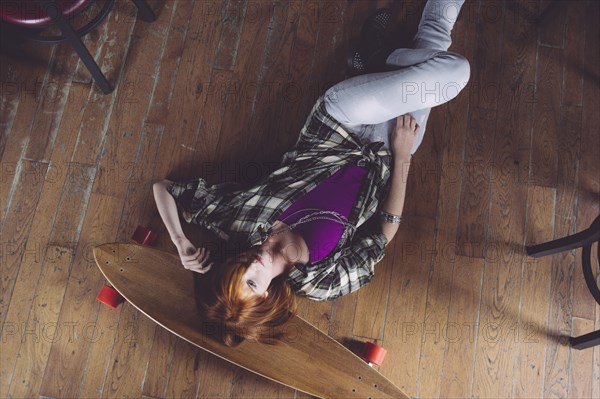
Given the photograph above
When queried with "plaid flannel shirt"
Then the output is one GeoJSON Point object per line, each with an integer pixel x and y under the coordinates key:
{"type": "Point", "coordinates": [244, 215]}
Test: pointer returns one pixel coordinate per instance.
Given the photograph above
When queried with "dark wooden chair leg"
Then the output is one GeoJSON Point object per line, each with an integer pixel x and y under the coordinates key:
{"type": "Point", "coordinates": [588, 273]}
{"type": "Point", "coordinates": [585, 341]}
{"type": "Point", "coordinates": [583, 239]}
{"type": "Point", "coordinates": [577, 240]}
{"type": "Point", "coordinates": [144, 11]}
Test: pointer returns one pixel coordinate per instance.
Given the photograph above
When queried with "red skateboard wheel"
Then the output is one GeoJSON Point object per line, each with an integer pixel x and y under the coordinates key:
{"type": "Point", "coordinates": [374, 354]}
{"type": "Point", "coordinates": [109, 296]}
{"type": "Point", "coordinates": [143, 236]}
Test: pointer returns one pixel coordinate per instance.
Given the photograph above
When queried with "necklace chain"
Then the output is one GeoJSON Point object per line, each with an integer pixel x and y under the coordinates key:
{"type": "Point", "coordinates": [316, 214]}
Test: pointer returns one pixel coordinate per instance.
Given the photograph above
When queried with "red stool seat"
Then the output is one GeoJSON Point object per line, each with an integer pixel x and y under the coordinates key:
{"type": "Point", "coordinates": [30, 13]}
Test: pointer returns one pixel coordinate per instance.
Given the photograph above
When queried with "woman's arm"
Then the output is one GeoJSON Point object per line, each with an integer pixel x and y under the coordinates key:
{"type": "Point", "coordinates": [168, 209]}
{"type": "Point", "coordinates": [395, 200]}
{"type": "Point", "coordinates": [192, 258]}
{"type": "Point", "coordinates": [402, 141]}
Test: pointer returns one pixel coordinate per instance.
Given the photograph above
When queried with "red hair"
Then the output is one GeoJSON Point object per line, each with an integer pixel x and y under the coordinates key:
{"type": "Point", "coordinates": [239, 316]}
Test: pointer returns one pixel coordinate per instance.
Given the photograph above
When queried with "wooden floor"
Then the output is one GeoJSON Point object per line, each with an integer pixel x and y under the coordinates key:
{"type": "Point", "coordinates": [221, 90]}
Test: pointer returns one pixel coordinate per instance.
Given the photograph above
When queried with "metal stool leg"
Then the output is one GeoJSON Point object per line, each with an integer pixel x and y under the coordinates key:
{"type": "Point", "coordinates": [144, 11]}
{"type": "Point", "coordinates": [85, 56]}
{"type": "Point", "coordinates": [75, 41]}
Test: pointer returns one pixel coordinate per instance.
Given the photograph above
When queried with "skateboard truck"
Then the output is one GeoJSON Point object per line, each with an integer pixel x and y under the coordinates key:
{"type": "Point", "coordinates": [373, 354]}
{"type": "Point", "coordinates": [108, 295]}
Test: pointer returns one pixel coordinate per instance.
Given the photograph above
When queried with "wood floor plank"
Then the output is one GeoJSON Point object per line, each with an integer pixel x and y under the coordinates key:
{"type": "Point", "coordinates": [33, 352]}
{"type": "Point", "coordinates": [533, 325]}
{"type": "Point", "coordinates": [161, 358]}
{"type": "Point", "coordinates": [233, 15]}
{"type": "Point", "coordinates": [56, 242]}
{"type": "Point", "coordinates": [547, 117]}
{"type": "Point", "coordinates": [589, 183]}
{"type": "Point", "coordinates": [120, 145]}
{"type": "Point", "coordinates": [425, 184]}
{"type": "Point", "coordinates": [484, 92]}
{"type": "Point", "coordinates": [79, 304]}
{"type": "Point", "coordinates": [178, 146]}
{"type": "Point", "coordinates": [94, 127]}
{"type": "Point", "coordinates": [15, 302]}
{"type": "Point", "coordinates": [206, 143]}
{"type": "Point", "coordinates": [567, 194]}
{"type": "Point", "coordinates": [575, 54]}
{"type": "Point", "coordinates": [102, 335]}
{"type": "Point", "coordinates": [185, 373]}
{"type": "Point", "coordinates": [94, 42]}
{"type": "Point", "coordinates": [596, 361]}
{"type": "Point", "coordinates": [499, 320]}
{"type": "Point", "coordinates": [58, 175]}
{"type": "Point", "coordinates": [139, 202]}
{"type": "Point", "coordinates": [460, 331]}
{"type": "Point", "coordinates": [560, 321]}
{"type": "Point", "coordinates": [216, 378]}
{"type": "Point", "coordinates": [581, 373]}
{"type": "Point", "coordinates": [243, 385]}
{"type": "Point", "coordinates": [16, 227]}
{"type": "Point", "coordinates": [29, 83]}
{"type": "Point", "coordinates": [570, 139]}
{"type": "Point", "coordinates": [405, 327]}
{"type": "Point", "coordinates": [372, 300]}
{"type": "Point", "coordinates": [52, 102]}
{"type": "Point", "coordinates": [457, 318]}
{"type": "Point", "coordinates": [271, 390]}
{"type": "Point", "coordinates": [244, 85]}
{"type": "Point", "coordinates": [296, 97]}
{"type": "Point", "coordinates": [276, 62]}
{"type": "Point", "coordinates": [170, 63]}
{"type": "Point", "coordinates": [10, 91]}
{"type": "Point", "coordinates": [341, 325]}
{"type": "Point", "coordinates": [437, 309]}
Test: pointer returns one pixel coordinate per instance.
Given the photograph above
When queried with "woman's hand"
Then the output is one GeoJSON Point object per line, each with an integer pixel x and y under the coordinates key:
{"type": "Point", "coordinates": [404, 135]}
{"type": "Point", "coordinates": [192, 258]}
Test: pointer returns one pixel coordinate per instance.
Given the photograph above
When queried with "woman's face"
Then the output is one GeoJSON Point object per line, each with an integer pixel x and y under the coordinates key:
{"type": "Point", "coordinates": [266, 265]}
{"type": "Point", "coordinates": [257, 279]}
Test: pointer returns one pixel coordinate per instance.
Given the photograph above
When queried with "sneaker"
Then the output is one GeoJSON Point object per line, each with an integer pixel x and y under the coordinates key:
{"type": "Point", "coordinates": [373, 48]}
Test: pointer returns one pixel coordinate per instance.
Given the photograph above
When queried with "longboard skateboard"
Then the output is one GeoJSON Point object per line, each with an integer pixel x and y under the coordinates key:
{"type": "Point", "coordinates": [307, 359]}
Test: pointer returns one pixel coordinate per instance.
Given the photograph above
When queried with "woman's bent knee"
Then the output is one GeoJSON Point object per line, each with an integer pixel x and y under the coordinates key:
{"type": "Point", "coordinates": [456, 77]}
{"type": "Point", "coordinates": [463, 69]}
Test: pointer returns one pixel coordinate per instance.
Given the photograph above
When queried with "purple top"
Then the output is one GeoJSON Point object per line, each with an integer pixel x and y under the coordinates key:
{"type": "Point", "coordinates": [337, 193]}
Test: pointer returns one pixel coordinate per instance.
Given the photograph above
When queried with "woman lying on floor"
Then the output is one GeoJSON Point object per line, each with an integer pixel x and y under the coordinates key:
{"type": "Point", "coordinates": [303, 229]}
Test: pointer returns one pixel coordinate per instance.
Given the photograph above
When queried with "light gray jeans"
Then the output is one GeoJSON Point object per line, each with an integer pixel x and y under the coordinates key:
{"type": "Point", "coordinates": [428, 75]}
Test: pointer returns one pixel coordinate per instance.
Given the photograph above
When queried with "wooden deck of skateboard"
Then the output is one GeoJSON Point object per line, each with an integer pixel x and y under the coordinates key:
{"type": "Point", "coordinates": [308, 360]}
